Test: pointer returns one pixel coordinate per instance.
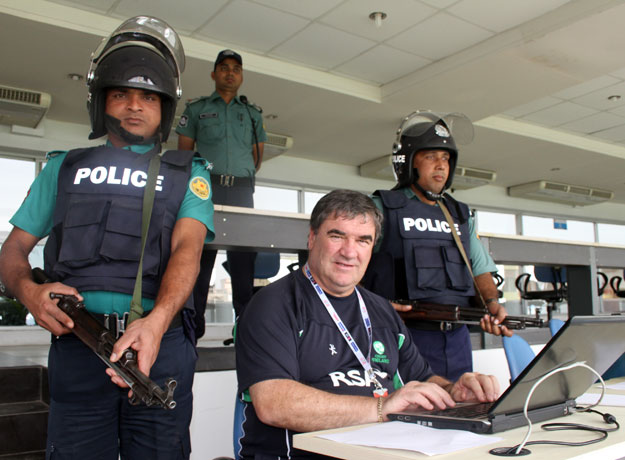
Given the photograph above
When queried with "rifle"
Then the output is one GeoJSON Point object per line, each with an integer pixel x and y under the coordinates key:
{"type": "Point", "coordinates": [101, 341]}
{"type": "Point", "coordinates": [428, 311]}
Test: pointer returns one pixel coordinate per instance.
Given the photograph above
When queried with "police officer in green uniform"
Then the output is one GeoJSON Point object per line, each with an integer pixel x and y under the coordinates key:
{"type": "Point", "coordinates": [418, 258]}
{"type": "Point", "coordinates": [228, 131]}
{"type": "Point", "coordinates": [88, 202]}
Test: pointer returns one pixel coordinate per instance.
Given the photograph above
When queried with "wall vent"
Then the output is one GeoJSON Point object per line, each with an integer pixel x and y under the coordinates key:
{"type": "Point", "coordinates": [23, 107]}
{"type": "Point", "coordinates": [556, 192]}
{"type": "Point", "coordinates": [276, 144]}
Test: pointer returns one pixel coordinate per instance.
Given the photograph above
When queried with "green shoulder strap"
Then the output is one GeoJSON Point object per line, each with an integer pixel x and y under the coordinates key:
{"type": "Point", "coordinates": [458, 242]}
{"type": "Point", "coordinates": [136, 307]}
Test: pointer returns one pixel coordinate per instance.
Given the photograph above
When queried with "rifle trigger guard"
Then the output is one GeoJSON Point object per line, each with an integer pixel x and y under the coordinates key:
{"type": "Point", "coordinates": [121, 324]}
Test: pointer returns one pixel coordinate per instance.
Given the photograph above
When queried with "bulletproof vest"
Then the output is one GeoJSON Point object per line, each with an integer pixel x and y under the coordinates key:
{"type": "Point", "coordinates": [418, 258]}
{"type": "Point", "coordinates": [95, 242]}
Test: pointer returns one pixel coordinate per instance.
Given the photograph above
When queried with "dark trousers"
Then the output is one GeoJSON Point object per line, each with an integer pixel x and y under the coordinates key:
{"type": "Point", "coordinates": [91, 418]}
{"type": "Point", "coordinates": [448, 353]}
{"type": "Point", "coordinates": [240, 263]}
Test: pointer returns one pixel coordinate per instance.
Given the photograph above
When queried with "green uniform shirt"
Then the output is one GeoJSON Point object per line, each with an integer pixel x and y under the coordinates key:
{"type": "Point", "coordinates": [223, 133]}
{"type": "Point", "coordinates": [481, 261]}
{"type": "Point", "coordinates": [35, 216]}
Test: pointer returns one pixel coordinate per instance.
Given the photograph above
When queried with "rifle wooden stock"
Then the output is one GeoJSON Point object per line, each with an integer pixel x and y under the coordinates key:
{"type": "Point", "coordinates": [101, 341]}
{"type": "Point", "coordinates": [427, 311]}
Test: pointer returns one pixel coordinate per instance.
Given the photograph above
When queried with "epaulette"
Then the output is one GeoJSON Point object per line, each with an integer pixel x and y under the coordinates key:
{"type": "Point", "coordinates": [256, 106]}
{"type": "Point", "coordinates": [205, 163]}
{"type": "Point", "coordinates": [197, 99]}
{"type": "Point", "coordinates": [55, 153]}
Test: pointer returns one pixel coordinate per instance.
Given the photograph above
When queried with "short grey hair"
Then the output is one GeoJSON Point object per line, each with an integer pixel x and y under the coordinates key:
{"type": "Point", "coordinates": [348, 204]}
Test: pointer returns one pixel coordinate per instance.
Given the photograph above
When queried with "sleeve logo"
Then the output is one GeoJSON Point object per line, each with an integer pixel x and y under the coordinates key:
{"type": "Point", "coordinates": [200, 187]}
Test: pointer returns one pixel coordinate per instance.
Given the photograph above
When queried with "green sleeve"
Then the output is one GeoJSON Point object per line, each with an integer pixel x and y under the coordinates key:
{"type": "Point", "coordinates": [260, 126]}
{"type": "Point", "coordinates": [195, 205]}
{"type": "Point", "coordinates": [187, 126]}
{"type": "Point", "coordinates": [481, 261]}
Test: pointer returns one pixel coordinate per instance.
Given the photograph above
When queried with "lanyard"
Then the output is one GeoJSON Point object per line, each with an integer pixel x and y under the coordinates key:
{"type": "Point", "coordinates": [353, 346]}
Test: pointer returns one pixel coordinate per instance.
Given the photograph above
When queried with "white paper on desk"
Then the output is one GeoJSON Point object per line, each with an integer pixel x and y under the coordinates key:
{"type": "Point", "coordinates": [608, 400]}
{"type": "Point", "coordinates": [410, 436]}
{"type": "Point", "coordinates": [616, 386]}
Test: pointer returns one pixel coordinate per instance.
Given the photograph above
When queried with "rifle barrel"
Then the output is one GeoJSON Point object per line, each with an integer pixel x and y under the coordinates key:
{"type": "Point", "coordinates": [428, 311]}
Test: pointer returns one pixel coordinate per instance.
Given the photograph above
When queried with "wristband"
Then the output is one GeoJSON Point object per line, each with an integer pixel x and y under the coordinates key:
{"type": "Point", "coordinates": [491, 300]}
{"type": "Point", "coordinates": [380, 402]}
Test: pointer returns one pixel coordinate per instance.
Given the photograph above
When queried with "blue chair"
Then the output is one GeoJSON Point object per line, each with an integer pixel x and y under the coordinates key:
{"type": "Point", "coordinates": [266, 265]}
{"type": "Point", "coordinates": [554, 325]}
{"type": "Point", "coordinates": [518, 353]}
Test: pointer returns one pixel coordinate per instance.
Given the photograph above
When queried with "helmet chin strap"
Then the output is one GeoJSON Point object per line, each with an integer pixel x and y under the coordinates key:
{"type": "Point", "coordinates": [113, 125]}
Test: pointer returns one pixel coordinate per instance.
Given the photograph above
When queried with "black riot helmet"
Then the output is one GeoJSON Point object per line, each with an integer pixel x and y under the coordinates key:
{"type": "Point", "coordinates": [142, 53]}
{"type": "Point", "coordinates": [426, 130]}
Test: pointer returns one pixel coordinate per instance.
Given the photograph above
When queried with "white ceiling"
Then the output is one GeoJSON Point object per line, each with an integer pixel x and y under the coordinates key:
{"type": "Point", "coordinates": [535, 76]}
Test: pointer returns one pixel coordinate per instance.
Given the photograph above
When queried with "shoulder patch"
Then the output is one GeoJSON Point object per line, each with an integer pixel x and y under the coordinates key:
{"type": "Point", "coordinates": [204, 162]}
{"type": "Point", "coordinates": [200, 187]}
{"type": "Point", "coordinates": [183, 121]}
{"type": "Point", "coordinates": [55, 153]}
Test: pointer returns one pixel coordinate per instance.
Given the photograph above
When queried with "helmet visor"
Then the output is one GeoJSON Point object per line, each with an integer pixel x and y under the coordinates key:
{"type": "Point", "coordinates": [146, 29]}
{"type": "Point", "coordinates": [417, 123]}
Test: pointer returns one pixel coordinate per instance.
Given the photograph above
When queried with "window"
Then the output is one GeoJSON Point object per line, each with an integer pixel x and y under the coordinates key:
{"type": "Point", "coordinates": [544, 227]}
{"type": "Point", "coordinates": [611, 234]}
{"type": "Point", "coordinates": [310, 200]}
{"type": "Point", "coordinates": [496, 222]}
{"type": "Point", "coordinates": [275, 199]}
{"type": "Point", "coordinates": [15, 179]}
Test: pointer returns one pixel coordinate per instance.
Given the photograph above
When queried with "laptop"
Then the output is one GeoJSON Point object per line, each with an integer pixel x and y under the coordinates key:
{"type": "Point", "coordinates": [596, 340]}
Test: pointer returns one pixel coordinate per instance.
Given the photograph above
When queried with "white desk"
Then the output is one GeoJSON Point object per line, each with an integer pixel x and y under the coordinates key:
{"type": "Point", "coordinates": [612, 448]}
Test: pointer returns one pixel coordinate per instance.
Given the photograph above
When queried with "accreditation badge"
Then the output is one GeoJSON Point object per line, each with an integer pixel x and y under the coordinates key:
{"type": "Point", "coordinates": [200, 187]}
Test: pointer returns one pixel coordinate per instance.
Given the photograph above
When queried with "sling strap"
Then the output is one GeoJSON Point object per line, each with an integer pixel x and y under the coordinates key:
{"type": "Point", "coordinates": [454, 233]}
{"type": "Point", "coordinates": [136, 307]}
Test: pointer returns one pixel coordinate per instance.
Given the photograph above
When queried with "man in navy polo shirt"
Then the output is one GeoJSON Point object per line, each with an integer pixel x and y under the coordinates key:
{"type": "Point", "coordinates": [316, 352]}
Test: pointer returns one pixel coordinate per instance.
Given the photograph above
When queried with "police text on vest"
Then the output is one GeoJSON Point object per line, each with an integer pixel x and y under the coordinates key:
{"type": "Point", "coordinates": [100, 174]}
{"type": "Point", "coordinates": [428, 225]}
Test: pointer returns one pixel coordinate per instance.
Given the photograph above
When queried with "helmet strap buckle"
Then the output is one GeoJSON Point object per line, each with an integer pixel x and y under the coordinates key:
{"type": "Point", "coordinates": [431, 196]}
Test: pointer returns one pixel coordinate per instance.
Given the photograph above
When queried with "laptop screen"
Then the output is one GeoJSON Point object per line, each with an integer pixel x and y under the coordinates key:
{"type": "Point", "coordinates": [598, 341]}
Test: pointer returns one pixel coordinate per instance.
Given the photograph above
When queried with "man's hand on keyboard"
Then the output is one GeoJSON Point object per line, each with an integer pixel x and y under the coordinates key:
{"type": "Point", "coordinates": [473, 386]}
{"type": "Point", "coordinates": [413, 395]}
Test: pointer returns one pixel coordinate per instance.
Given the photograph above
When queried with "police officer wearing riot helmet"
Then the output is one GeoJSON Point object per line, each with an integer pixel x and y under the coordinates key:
{"type": "Point", "coordinates": [418, 258]}
{"type": "Point", "coordinates": [228, 131]}
{"type": "Point", "coordinates": [89, 203]}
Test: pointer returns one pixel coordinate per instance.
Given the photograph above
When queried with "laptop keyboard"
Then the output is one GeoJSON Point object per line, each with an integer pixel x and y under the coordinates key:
{"type": "Point", "coordinates": [464, 411]}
